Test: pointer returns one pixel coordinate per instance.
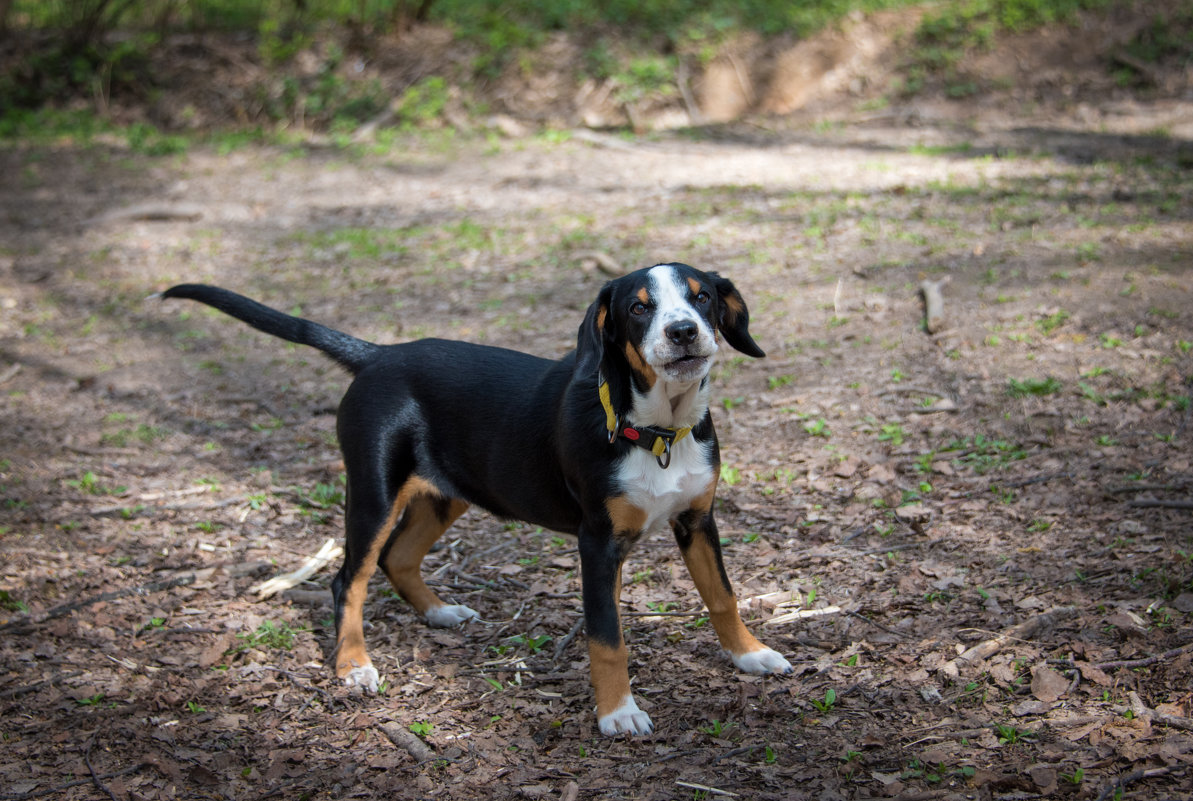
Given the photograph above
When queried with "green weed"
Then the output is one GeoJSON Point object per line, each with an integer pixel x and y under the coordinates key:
{"type": "Point", "coordinates": [1021, 388]}
{"type": "Point", "coordinates": [279, 636]}
{"type": "Point", "coordinates": [826, 705]}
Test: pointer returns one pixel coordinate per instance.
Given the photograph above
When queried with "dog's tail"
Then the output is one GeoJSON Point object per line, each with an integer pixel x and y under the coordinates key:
{"type": "Point", "coordinates": [349, 351]}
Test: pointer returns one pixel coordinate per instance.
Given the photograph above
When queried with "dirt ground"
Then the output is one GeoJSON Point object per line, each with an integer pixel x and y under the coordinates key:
{"type": "Point", "coordinates": [976, 544]}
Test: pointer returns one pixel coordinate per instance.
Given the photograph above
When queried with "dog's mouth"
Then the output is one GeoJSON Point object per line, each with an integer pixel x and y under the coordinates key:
{"type": "Point", "coordinates": [687, 367]}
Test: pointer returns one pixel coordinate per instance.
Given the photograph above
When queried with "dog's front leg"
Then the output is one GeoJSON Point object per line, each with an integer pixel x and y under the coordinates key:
{"type": "Point", "coordinates": [696, 533]}
{"type": "Point", "coordinates": [601, 557]}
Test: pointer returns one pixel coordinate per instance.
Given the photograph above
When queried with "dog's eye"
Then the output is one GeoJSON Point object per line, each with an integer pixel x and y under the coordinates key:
{"type": "Point", "coordinates": [702, 297]}
{"type": "Point", "coordinates": [638, 308]}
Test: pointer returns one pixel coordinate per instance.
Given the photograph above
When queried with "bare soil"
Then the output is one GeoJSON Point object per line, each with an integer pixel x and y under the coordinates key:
{"type": "Point", "coordinates": [976, 545]}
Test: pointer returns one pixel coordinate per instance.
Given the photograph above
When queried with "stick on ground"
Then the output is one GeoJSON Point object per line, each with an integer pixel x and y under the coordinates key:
{"type": "Point", "coordinates": [328, 553]}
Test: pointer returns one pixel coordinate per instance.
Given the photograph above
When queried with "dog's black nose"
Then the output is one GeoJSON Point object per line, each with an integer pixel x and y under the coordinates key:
{"type": "Point", "coordinates": [682, 333]}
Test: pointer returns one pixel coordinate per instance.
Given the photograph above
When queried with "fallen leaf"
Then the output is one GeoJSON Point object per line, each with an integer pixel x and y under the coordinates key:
{"type": "Point", "coordinates": [1047, 685]}
{"type": "Point", "coordinates": [1043, 777]}
{"type": "Point", "coordinates": [1093, 673]}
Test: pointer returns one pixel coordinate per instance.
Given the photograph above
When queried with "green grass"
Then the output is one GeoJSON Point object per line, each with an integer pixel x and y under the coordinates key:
{"type": "Point", "coordinates": [1022, 387]}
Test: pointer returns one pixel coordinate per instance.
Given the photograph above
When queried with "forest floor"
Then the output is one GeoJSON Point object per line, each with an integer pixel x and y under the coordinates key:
{"type": "Point", "coordinates": [975, 545]}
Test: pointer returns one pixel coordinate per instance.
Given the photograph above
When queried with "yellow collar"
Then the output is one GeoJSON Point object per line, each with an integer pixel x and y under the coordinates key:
{"type": "Point", "coordinates": [656, 439]}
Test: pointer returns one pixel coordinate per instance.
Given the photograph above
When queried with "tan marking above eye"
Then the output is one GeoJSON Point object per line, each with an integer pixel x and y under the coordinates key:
{"type": "Point", "coordinates": [693, 285]}
{"type": "Point", "coordinates": [643, 295]}
{"type": "Point", "coordinates": [601, 315]}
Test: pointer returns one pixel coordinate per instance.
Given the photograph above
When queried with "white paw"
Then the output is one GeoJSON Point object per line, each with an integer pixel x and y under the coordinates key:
{"type": "Point", "coordinates": [627, 718]}
{"type": "Point", "coordinates": [445, 617]}
{"type": "Point", "coordinates": [762, 662]}
{"type": "Point", "coordinates": [364, 677]}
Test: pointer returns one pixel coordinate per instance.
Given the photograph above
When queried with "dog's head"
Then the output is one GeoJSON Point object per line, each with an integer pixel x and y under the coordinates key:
{"type": "Point", "coordinates": [661, 323]}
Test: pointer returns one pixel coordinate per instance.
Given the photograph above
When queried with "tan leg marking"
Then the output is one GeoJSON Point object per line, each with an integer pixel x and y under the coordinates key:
{"type": "Point", "coordinates": [610, 676]}
{"type": "Point", "coordinates": [721, 602]}
{"type": "Point", "coordinates": [403, 563]}
{"type": "Point", "coordinates": [350, 651]}
{"type": "Point", "coordinates": [609, 667]}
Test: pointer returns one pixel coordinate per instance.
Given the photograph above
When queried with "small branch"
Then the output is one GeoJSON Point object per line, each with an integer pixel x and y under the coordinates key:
{"type": "Point", "coordinates": [704, 788]}
{"type": "Point", "coordinates": [1141, 710]}
{"type": "Point", "coordinates": [1144, 662]}
{"type": "Point", "coordinates": [562, 645]}
{"type": "Point", "coordinates": [16, 692]}
{"type": "Point", "coordinates": [933, 299]}
{"type": "Point", "coordinates": [802, 614]}
{"type": "Point", "coordinates": [26, 626]}
{"type": "Point", "coordinates": [99, 785]}
{"type": "Point", "coordinates": [329, 552]}
{"type": "Point", "coordinates": [408, 741]}
{"type": "Point", "coordinates": [683, 80]}
{"type": "Point", "coordinates": [1023, 631]}
{"type": "Point", "coordinates": [604, 262]}
{"type": "Point", "coordinates": [867, 620]}
{"type": "Point", "coordinates": [150, 212]}
{"type": "Point", "coordinates": [1149, 503]}
{"type": "Point", "coordinates": [76, 783]}
{"type": "Point", "coordinates": [1109, 790]}
{"type": "Point", "coordinates": [1143, 488]}
{"type": "Point", "coordinates": [1023, 482]}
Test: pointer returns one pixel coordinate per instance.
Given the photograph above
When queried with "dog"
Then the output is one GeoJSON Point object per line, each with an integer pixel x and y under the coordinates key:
{"type": "Point", "coordinates": [610, 442]}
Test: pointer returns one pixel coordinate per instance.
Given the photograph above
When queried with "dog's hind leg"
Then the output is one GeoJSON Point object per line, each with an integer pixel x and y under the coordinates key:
{"type": "Point", "coordinates": [370, 518]}
{"type": "Point", "coordinates": [426, 518]}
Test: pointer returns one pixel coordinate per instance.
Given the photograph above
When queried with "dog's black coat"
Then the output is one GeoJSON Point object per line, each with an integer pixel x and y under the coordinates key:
{"type": "Point", "coordinates": [430, 426]}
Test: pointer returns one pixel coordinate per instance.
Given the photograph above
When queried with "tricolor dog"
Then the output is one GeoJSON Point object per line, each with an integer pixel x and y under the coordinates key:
{"type": "Point", "coordinates": [611, 442]}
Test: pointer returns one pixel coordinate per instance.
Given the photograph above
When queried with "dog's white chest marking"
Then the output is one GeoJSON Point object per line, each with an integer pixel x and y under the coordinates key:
{"type": "Point", "coordinates": [663, 494]}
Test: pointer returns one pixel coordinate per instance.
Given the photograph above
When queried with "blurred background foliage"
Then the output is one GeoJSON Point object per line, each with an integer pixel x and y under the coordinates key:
{"type": "Point", "coordinates": [56, 51]}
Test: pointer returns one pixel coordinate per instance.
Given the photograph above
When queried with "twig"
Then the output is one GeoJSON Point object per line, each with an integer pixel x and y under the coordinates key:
{"type": "Point", "coordinates": [90, 769]}
{"type": "Point", "coordinates": [1023, 482]}
{"type": "Point", "coordinates": [562, 645]}
{"type": "Point", "coordinates": [1109, 790]}
{"type": "Point", "coordinates": [25, 626]}
{"type": "Point", "coordinates": [748, 749]}
{"type": "Point", "coordinates": [408, 741]}
{"type": "Point", "coordinates": [167, 507]}
{"type": "Point", "coordinates": [76, 783]}
{"type": "Point", "coordinates": [1143, 488]}
{"type": "Point", "coordinates": [604, 262]}
{"type": "Point", "coordinates": [313, 565]}
{"type": "Point", "coordinates": [1148, 503]}
{"type": "Point", "coordinates": [1149, 660]}
{"type": "Point", "coordinates": [933, 298]}
{"type": "Point", "coordinates": [1142, 710]}
{"type": "Point", "coordinates": [779, 620]}
{"type": "Point", "coordinates": [1023, 631]}
{"type": "Point", "coordinates": [903, 547]}
{"type": "Point", "coordinates": [153, 212]}
{"type": "Point", "coordinates": [16, 692]}
{"type": "Point", "coordinates": [704, 788]}
{"type": "Point", "coordinates": [682, 79]}
{"type": "Point", "coordinates": [865, 619]}
{"type": "Point", "coordinates": [10, 372]}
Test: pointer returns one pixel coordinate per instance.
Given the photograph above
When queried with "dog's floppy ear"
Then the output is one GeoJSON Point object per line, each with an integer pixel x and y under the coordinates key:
{"type": "Point", "coordinates": [733, 317]}
{"type": "Point", "coordinates": [594, 333]}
